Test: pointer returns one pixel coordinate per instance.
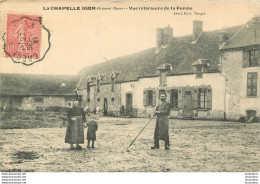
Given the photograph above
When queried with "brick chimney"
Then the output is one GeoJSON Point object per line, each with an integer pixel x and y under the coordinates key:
{"type": "Point", "coordinates": [167, 34]}
{"type": "Point", "coordinates": [164, 69]}
{"type": "Point", "coordinates": [197, 29]}
{"type": "Point", "coordinates": [163, 36]}
{"type": "Point", "coordinates": [159, 38]}
{"type": "Point", "coordinates": [254, 23]}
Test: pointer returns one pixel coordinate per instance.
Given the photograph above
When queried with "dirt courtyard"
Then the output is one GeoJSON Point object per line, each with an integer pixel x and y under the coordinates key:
{"type": "Point", "coordinates": [196, 146]}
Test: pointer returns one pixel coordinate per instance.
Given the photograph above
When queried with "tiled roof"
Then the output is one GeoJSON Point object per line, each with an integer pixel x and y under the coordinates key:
{"type": "Point", "coordinates": [248, 35]}
{"type": "Point", "coordinates": [27, 84]}
{"type": "Point", "coordinates": [180, 52]}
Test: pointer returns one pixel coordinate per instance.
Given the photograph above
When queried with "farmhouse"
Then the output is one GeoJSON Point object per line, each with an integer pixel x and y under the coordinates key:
{"type": "Point", "coordinates": [206, 75]}
{"type": "Point", "coordinates": [37, 92]}
{"type": "Point", "coordinates": [240, 65]}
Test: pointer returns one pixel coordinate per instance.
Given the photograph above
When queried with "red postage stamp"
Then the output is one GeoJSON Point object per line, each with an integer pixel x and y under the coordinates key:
{"type": "Point", "coordinates": [23, 38]}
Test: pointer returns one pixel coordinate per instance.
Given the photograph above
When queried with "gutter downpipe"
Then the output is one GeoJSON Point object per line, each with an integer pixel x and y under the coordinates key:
{"type": "Point", "coordinates": [225, 78]}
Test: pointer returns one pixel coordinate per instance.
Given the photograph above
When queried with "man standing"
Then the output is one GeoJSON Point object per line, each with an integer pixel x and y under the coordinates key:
{"type": "Point", "coordinates": [75, 129]}
{"type": "Point", "coordinates": [161, 131]}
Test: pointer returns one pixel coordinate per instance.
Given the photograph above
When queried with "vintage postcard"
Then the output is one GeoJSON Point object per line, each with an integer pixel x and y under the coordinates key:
{"type": "Point", "coordinates": [102, 86]}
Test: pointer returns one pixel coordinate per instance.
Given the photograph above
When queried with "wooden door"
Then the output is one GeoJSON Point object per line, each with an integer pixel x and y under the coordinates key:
{"type": "Point", "coordinates": [129, 103]}
{"type": "Point", "coordinates": [105, 107]}
{"type": "Point", "coordinates": [187, 105]}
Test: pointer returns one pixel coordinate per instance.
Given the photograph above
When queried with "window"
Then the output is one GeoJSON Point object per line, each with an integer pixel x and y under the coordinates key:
{"type": "Point", "coordinates": [174, 98]}
{"type": "Point", "coordinates": [202, 98]}
{"type": "Point", "coordinates": [149, 98]}
{"type": "Point", "coordinates": [88, 100]}
{"type": "Point", "coordinates": [69, 103]}
{"type": "Point", "coordinates": [98, 99]}
{"type": "Point", "coordinates": [98, 86]}
{"type": "Point", "coordinates": [38, 100]}
{"type": "Point", "coordinates": [252, 84]}
{"type": "Point", "coordinates": [112, 99]}
{"type": "Point", "coordinates": [251, 58]}
{"type": "Point", "coordinates": [187, 92]}
{"type": "Point", "coordinates": [199, 73]}
{"type": "Point", "coordinates": [253, 54]}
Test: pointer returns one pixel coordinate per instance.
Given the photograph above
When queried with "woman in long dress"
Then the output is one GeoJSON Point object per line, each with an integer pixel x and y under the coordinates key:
{"type": "Point", "coordinates": [75, 129]}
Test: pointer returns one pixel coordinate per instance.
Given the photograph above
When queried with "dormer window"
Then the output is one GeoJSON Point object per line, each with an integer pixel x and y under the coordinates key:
{"type": "Point", "coordinates": [99, 79]}
{"type": "Point", "coordinates": [114, 76]}
{"type": "Point", "coordinates": [98, 85]}
{"type": "Point", "coordinates": [89, 81]}
{"type": "Point", "coordinates": [199, 73]}
{"type": "Point", "coordinates": [164, 69]}
{"type": "Point", "coordinates": [200, 66]}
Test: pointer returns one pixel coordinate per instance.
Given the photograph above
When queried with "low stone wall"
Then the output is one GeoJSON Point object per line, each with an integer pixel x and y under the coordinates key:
{"type": "Point", "coordinates": [32, 119]}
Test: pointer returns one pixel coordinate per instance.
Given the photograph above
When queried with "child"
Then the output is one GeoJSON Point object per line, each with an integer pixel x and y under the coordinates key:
{"type": "Point", "coordinates": [91, 133]}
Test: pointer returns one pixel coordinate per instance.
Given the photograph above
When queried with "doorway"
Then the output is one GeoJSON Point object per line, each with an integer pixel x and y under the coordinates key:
{"type": "Point", "coordinates": [250, 115]}
{"type": "Point", "coordinates": [129, 103]}
{"type": "Point", "coordinates": [105, 107]}
{"type": "Point", "coordinates": [188, 105]}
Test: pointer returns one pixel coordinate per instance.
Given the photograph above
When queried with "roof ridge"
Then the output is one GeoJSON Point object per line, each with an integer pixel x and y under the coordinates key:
{"type": "Point", "coordinates": [194, 42]}
{"type": "Point", "coordinates": [158, 50]}
{"type": "Point", "coordinates": [243, 26]}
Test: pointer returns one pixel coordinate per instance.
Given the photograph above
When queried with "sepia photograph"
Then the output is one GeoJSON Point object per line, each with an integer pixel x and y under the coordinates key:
{"type": "Point", "coordinates": [129, 86]}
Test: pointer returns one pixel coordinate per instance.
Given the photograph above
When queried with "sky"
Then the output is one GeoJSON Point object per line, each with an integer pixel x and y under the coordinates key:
{"type": "Point", "coordinates": [81, 38]}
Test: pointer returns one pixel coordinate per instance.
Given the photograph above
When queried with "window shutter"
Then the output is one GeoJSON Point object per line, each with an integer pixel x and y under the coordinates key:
{"type": "Point", "coordinates": [257, 58]}
{"type": "Point", "coordinates": [249, 83]}
{"type": "Point", "coordinates": [209, 99]}
{"type": "Point", "coordinates": [168, 97]}
{"type": "Point", "coordinates": [154, 98]}
{"type": "Point", "coordinates": [255, 76]}
{"type": "Point", "coordinates": [180, 102]}
{"type": "Point", "coordinates": [245, 59]}
{"type": "Point", "coordinates": [195, 98]}
{"type": "Point", "coordinates": [144, 98]}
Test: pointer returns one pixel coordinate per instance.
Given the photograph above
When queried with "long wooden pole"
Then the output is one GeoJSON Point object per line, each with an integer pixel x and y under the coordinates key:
{"type": "Point", "coordinates": [140, 133]}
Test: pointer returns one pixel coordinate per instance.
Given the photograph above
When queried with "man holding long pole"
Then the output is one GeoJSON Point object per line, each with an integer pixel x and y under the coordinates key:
{"type": "Point", "coordinates": [162, 125]}
{"type": "Point", "coordinates": [161, 131]}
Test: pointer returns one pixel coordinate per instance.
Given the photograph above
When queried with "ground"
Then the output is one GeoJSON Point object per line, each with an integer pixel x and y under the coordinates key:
{"type": "Point", "coordinates": [196, 146]}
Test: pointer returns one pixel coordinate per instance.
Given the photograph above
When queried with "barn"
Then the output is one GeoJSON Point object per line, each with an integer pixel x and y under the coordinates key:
{"type": "Point", "coordinates": [37, 92]}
